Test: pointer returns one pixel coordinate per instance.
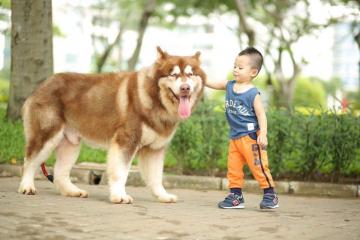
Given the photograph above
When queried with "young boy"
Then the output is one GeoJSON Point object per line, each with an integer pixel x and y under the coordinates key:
{"type": "Point", "coordinates": [248, 129]}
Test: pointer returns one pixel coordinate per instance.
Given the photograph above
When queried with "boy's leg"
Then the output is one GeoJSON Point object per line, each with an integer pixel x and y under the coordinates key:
{"type": "Point", "coordinates": [235, 165]}
{"type": "Point", "coordinates": [235, 176]}
{"type": "Point", "coordinates": [258, 163]}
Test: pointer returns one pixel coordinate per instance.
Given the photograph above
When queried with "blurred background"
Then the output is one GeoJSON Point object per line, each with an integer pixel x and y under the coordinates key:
{"type": "Point", "coordinates": [310, 80]}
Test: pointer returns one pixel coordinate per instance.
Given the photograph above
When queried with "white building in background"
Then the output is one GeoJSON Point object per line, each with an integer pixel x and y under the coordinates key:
{"type": "Point", "coordinates": [73, 48]}
{"type": "Point", "coordinates": [346, 57]}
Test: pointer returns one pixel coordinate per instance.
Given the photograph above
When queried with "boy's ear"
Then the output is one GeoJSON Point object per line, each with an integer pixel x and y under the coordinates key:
{"type": "Point", "coordinates": [254, 72]}
{"type": "Point", "coordinates": [161, 55]}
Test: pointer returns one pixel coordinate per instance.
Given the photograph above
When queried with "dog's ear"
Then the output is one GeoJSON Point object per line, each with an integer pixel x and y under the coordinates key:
{"type": "Point", "coordinates": [197, 55]}
{"type": "Point", "coordinates": [161, 55]}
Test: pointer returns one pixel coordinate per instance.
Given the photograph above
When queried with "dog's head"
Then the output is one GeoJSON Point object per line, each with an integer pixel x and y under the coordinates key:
{"type": "Point", "coordinates": [181, 81]}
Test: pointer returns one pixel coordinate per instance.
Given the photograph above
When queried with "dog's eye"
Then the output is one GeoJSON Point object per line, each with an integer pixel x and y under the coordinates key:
{"type": "Point", "coordinates": [173, 75]}
{"type": "Point", "coordinates": [190, 74]}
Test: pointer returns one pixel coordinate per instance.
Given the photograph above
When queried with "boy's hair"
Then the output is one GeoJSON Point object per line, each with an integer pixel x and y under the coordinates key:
{"type": "Point", "coordinates": [256, 57]}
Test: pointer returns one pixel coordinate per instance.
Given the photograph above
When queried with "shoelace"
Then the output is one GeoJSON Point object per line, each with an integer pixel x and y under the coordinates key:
{"type": "Point", "coordinates": [269, 197]}
{"type": "Point", "coordinates": [232, 196]}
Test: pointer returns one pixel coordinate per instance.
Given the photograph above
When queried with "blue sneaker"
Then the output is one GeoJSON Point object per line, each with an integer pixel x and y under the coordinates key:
{"type": "Point", "coordinates": [270, 201]}
{"type": "Point", "coordinates": [232, 201]}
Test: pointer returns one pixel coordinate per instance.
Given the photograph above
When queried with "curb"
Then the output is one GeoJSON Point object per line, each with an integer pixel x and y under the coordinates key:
{"type": "Point", "coordinates": [94, 174]}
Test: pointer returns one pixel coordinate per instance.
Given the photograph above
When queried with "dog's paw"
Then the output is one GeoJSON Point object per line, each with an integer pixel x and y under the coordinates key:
{"type": "Point", "coordinates": [168, 198]}
{"type": "Point", "coordinates": [27, 189]}
{"type": "Point", "coordinates": [68, 189]}
{"type": "Point", "coordinates": [115, 198]}
{"type": "Point", "coordinates": [75, 193]}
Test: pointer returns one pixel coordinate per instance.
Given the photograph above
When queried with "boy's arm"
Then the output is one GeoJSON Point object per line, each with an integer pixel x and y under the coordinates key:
{"type": "Point", "coordinates": [218, 85]}
{"type": "Point", "coordinates": [261, 116]}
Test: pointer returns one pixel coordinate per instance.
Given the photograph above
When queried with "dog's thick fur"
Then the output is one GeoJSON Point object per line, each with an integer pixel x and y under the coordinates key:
{"type": "Point", "coordinates": [127, 113]}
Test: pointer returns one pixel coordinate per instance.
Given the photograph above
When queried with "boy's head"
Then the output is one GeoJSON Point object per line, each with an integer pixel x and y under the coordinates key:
{"type": "Point", "coordinates": [248, 63]}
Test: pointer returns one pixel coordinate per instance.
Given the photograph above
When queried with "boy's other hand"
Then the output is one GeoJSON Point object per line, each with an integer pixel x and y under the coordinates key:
{"type": "Point", "coordinates": [262, 140]}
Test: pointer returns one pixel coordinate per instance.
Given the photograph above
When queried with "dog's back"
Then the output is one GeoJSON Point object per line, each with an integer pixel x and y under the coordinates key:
{"type": "Point", "coordinates": [126, 113]}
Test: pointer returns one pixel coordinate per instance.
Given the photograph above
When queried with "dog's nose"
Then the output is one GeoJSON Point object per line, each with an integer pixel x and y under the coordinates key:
{"type": "Point", "coordinates": [185, 89]}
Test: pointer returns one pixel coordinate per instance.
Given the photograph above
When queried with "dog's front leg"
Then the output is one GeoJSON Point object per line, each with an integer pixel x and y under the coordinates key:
{"type": "Point", "coordinates": [151, 164]}
{"type": "Point", "coordinates": [118, 166]}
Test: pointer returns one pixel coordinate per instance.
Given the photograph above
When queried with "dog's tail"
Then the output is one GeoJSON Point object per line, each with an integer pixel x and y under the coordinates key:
{"type": "Point", "coordinates": [49, 177]}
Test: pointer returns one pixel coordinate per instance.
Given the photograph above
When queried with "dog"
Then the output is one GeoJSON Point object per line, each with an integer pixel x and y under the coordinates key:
{"type": "Point", "coordinates": [127, 113]}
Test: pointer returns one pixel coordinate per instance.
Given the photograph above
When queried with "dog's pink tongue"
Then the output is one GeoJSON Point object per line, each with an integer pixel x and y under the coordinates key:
{"type": "Point", "coordinates": [184, 109]}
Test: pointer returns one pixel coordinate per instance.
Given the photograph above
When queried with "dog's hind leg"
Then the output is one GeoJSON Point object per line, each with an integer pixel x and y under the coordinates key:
{"type": "Point", "coordinates": [43, 129]}
{"type": "Point", "coordinates": [34, 158]}
{"type": "Point", "coordinates": [66, 155]}
{"type": "Point", "coordinates": [151, 164]}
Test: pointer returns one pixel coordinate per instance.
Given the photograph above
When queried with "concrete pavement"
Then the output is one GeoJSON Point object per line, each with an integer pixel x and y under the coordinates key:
{"type": "Point", "coordinates": [93, 173]}
{"type": "Point", "coordinates": [48, 215]}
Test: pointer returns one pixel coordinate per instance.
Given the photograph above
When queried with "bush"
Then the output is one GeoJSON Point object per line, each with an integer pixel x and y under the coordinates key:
{"type": "Point", "coordinates": [200, 143]}
{"type": "Point", "coordinates": [304, 146]}
{"type": "Point", "coordinates": [314, 146]}
{"type": "Point", "coordinates": [309, 92]}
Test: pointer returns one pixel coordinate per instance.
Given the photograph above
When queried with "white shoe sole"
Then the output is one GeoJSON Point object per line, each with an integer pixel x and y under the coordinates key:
{"type": "Point", "coordinates": [235, 207]}
{"type": "Point", "coordinates": [276, 206]}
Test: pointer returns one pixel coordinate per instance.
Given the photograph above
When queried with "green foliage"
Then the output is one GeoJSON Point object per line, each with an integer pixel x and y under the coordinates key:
{"type": "Point", "coordinates": [314, 146]}
{"type": "Point", "coordinates": [5, 4]}
{"type": "Point", "coordinates": [57, 31]}
{"type": "Point", "coordinates": [354, 100]}
{"type": "Point", "coordinates": [4, 91]}
{"type": "Point", "coordinates": [191, 148]}
{"type": "Point", "coordinates": [11, 139]}
{"type": "Point", "coordinates": [309, 92]}
{"type": "Point", "coordinates": [304, 146]}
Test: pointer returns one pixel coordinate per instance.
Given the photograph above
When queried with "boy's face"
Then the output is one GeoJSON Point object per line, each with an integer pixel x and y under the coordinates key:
{"type": "Point", "coordinates": [243, 69]}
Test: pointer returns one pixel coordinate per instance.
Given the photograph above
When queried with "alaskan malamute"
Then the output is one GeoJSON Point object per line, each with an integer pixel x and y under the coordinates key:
{"type": "Point", "coordinates": [127, 113]}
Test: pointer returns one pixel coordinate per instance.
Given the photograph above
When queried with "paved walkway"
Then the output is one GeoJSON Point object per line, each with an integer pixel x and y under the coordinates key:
{"type": "Point", "coordinates": [51, 216]}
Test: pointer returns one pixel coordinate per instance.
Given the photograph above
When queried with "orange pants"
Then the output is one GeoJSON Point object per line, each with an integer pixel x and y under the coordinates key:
{"type": "Point", "coordinates": [245, 150]}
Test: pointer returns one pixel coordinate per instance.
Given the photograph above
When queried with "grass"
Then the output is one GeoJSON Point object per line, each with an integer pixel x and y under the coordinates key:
{"type": "Point", "coordinates": [4, 90]}
{"type": "Point", "coordinates": [12, 144]}
{"type": "Point", "coordinates": [11, 139]}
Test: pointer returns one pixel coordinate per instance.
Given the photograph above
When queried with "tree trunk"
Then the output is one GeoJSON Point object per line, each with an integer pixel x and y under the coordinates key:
{"type": "Point", "coordinates": [148, 11]}
{"type": "Point", "coordinates": [103, 58]}
{"type": "Point", "coordinates": [31, 50]}
{"type": "Point", "coordinates": [101, 61]}
{"type": "Point", "coordinates": [243, 25]}
{"type": "Point", "coordinates": [287, 85]}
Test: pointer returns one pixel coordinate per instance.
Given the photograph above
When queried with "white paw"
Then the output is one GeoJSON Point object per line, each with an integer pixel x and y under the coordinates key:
{"type": "Point", "coordinates": [75, 193]}
{"type": "Point", "coordinates": [121, 198]}
{"type": "Point", "coordinates": [167, 198]}
{"type": "Point", "coordinates": [27, 188]}
{"type": "Point", "coordinates": [68, 189]}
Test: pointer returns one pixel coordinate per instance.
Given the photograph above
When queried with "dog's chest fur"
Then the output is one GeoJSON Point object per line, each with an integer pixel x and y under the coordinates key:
{"type": "Point", "coordinates": [154, 140]}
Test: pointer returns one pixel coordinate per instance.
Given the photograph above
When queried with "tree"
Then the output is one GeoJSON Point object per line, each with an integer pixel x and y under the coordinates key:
{"type": "Point", "coordinates": [122, 13]}
{"type": "Point", "coordinates": [287, 22]}
{"type": "Point", "coordinates": [144, 21]}
{"type": "Point", "coordinates": [31, 50]}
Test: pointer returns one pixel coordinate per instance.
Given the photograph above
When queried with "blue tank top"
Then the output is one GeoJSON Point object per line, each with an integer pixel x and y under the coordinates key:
{"type": "Point", "coordinates": [240, 112]}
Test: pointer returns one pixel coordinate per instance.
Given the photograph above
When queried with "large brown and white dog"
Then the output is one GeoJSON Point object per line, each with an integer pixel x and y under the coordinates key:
{"type": "Point", "coordinates": [127, 113]}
